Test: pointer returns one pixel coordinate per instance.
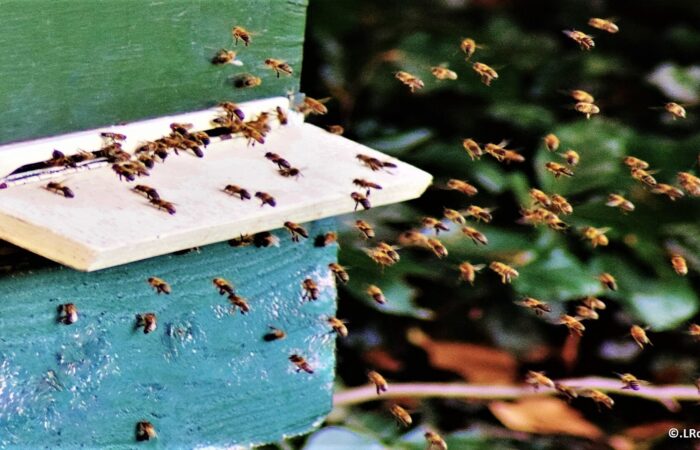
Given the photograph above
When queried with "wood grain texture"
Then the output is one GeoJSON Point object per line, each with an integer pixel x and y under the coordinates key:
{"type": "Point", "coordinates": [204, 377]}
{"type": "Point", "coordinates": [70, 65]}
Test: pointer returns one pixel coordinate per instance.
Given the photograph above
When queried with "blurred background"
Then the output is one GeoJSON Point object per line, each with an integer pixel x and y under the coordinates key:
{"type": "Point", "coordinates": [434, 328]}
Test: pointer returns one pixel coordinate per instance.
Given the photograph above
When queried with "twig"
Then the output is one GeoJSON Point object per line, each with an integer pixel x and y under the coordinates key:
{"type": "Point", "coordinates": [663, 394]}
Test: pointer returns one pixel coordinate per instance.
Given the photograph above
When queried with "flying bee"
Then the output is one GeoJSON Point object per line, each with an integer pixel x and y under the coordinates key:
{"type": "Point", "coordinates": [336, 129]}
{"type": "Point", "coordinates": [629, 381]}
{"type": "Point", "coordinates": [224, 56]}
{"type": "Point", "coordinates": [279, 66]}
{"type": "Point", "coordinates": [479, 213]}
{"type": "Point", "coordinates": [159, 285]}
{"type": "Point", "coordinates": [113, 137]}
{"type": "Point", "coordinates": [246, 80]}
{"type": "Point", "coordinates": [643, 176]}
{"type": "Point", "coordinates": [310, 290]}
{"type": "Point", "coordinates": [582, 39]}
{"type": "Point", "coordinates": [360, 199]}
{"type": "Point", "coordinates": [375, 164]}
{"type": "Point", "coordinates": [498, 151]}
{"type": "Point", "coordinates": [569, 392]}
{"type": "Point", "coordinates": [148, 321]}
{"type": "Point", "coordinates": [312, 106]}
{"type": "Point", "coordinates": [472, 148]}
{"type": "Point", "coordinates": [540, 197]}
{"type": "Point", "coordinates": [510, 156]}
{"type": "Point", "coordinates": [413, 238]}
{"type": "Point", "coordinates": [401, 415]}
{"type": "Point", "coordinates": [593, 303]}
{"type": "Point", "coordinates": [437, 247]}
{"type": "Point", "coordinates": [326, 239]}
{"type": "Point", "coordinates": [597, 396]}
{"type": "Point", "coordinates": [679, 264]}
{"type": "Point", "coordinates": [672, 192]}
{"type": "Point", "coordinates": [380, 257]}
{"type": "Point", "coordinates": [145, 431]}
{"type": "Point", "coordinates": [467, 271]}
{"type": "Point", "coordinates": [376, 294]}
{"type": "Point", "coordinates": [468, 46]}
{"type": "Point", "coordinates": [148, 191]}
{"type": "Point", "coordinates": [296, 230]}
{"type": "Point", "coordinates": [551, 141]}
{"type": "Point", "coordinates": [390, 251]}
{"type": "Point", "coordinates": [603, 24]}
{"type": "Point", "coordinates": [435, 441]}
{"type": "Point", "coordinates": [583, 313]}
{"type": "Point", "coordinates": [338, 326]}
{"type": "Point", "coordinates": [475, 235]}
{"type": "Point", "coordinates": [163, 205]}
{"type": "Point", "coordinates": [243, 240]}
{"type": "Point", "coordinates": [588, 109]}
{"type": "Point", "coordinates": [558, 170]}
{"type": "Point", "coordinates": [635, 163]}
{"type": "Point", "coordinates": [454, 216]}
{"type": "Point", "coordinates": [275, 334]}
{"type": "Point", "coordinates": [506, 272]}
{"type": "Point", "coordinates": [301, 363]}
{"type": "Point", "coordinates": [596, 236]}
{"type": "Point", "coordinates": [581, 96]}
{"type": "Point", "coordinates": [58, 188]}
{"type": "Point", "coordinates": [676, 110]}
{"type": "Point", "coordinates": [443, 73]}
{"type": "Point", "coordinates": [435, 224]}
{"type": "Point", "coordinates": [532, 303]}
{"type": "Point", "coordinates": [573, 324]}
{"type": "Point", "coordinates": [68, 313]}
{"type": "Point", "coordinates": [561, 205]}
{"type": "Point", "coordinates": [237, 191]}
{"type": "Point", "coordinates": [690, 183]}
{"type": "Point", "coordinates": [572, 157]}
{"type": "Point", "coordinates": [639, 335]}
{"type": "Point", "coordinates": [378, 380]}
{"type": "Point", "coordinates": [618, 201]}
{"type": "Point", "coordinates": [608, 281]}
{"type": "Point", "coordinates": [537, 379]}
{"type": "Point", "coordinates": [238, 302]}
{"type": "Point", "coordinates": [241, 33]}
{"type": "Point", "coordinates": [340, 273]}
{"type": "Point", "coordinates": [365, 229]}
{"type": "Point", "coordinates": [362, 183]}
{"type": "Point", "coordinates": [266, 199]}
{"type": "Point", "coordinates": [462, 186]}
{"type": "Point", "coordinates": [486, 73]}
{"type": "Point", "coordinates": [414, 83]}
{"type": "Point", "coordinates": [694, 330]}
{"type": "Point", "coordinates": [554, 222]}
{"type": "Point", "coordinates": [224, 286]}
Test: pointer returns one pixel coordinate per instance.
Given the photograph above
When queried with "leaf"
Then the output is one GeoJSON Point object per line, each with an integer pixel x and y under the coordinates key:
{"type": "Point", "coordinates": [523, 115]}
{"type": "Point", "coordinates": [339, 438]}
{"type": "Point", "coordinates": [400, 142]}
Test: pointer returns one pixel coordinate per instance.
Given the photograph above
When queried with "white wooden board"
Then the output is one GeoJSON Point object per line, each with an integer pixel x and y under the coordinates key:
{"type": "Point", "coordinates": [107, 224]}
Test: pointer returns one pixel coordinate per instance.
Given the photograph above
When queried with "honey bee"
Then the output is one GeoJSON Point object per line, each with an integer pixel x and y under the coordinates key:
{"type": "Point", "coordinates": [569, 392]}
{"type": "Point", "coordinates": [281, 116]}
{"type": "Point", "coordinates": [443, 73]}
{"type": "Point", "coordinates": [629, 381]}
{"type": "Point", "coordinates": [462, 186]}
{"type": "Point", "coordinates": [596, 236]}
{"type": "Point", "coordinates": [435, 441]}
{"type": "Point", "coordinates": [694, 330]}
{"type": "Point", "coordinates": [479, 213]}
{"type": "Point", "coordinates": [390, 251]}
{"type": "Point", "coordinates": [376, 294]}
{"type": "Point", "coordinates": [414, 83]}
{"type": "Point", "coordinates": [223, 286]}
{"type": "Point", "coordinates": [380, 257]}
{"type": "Point", "coordinates": [608, 281]}
{"type": "Point", "coordinates": [336, 129]}
{"type": "Point", "coordinates": [401, 415]}
{"type": "Point", "coordinates": [618, 201]}
{"type": "Point", "coordinates": [163, 205]}
{"type": "Point", "coordinates": [603, 24]}
{"type": "Point", "coordinates": [301, 363]}
{"type": "Point", "coordinates": [266, 199]}
{"type": "Point", "coordinates": [558, 170]}
{"type": "Point", "coordinates": [472, 148]}
{"type": "Point", "coordinates": [233, 111]}
{"type": "Point", "coordinates": [148, 191]}
{"type": "Point", "coordinates": [413, 238]}
{"type": "Point", "coordinates": [581, 96]}
{"type": "Point", "coordinates": [360, 199]}
{"type": "Point", "coordinates": [506, 272]}
{"type": "Point", "coordinates": [366, 185]}
{"type": "Point", "coordinates": [312, 106]}
{"type": "Point", "coordinates": [238, 302]}
{"type": "Point", "coordinates": [498, 151]}
{"type": "Point", "coordinates": [159, 285]}
{"type": "Point", "coordinates": [538, 306]}
{"type": "Point", "coordinates": [435, 224]}
{"type": "Point", "coordinates": [454, 216]}
{"type": "Point", "coordinates": [113, 137]}
{"type": "Point", "coordinates": [560, 205]}
{"type": "Point", "coordinates": [278, 160]}
{"type": "Point", "coordinates": [58, 188]}
{"type": "Point", "coordinates": [540, 198]}
{"type": "Point", "coordinates": [243, 240]}
{"type": "Point", "coordinates": [593, 303]}
{"type": "Point", "coordinates": [573, 324]}
{"type": "Point", "coordinates": [584, 312]}
{"type": "Point", "coordinates": [338, 326]}
{"type": "Point", "coordinates": [148, 321]}
{"type": "Point", "coordinates": [588, 109]}
{"type": "Point", "coordinates": [597, 396]}
{"type": "Point", "coordinates": [639, 335]}
{"type": "Point", "coordinates": [537, 379]}
{"type": "Point", "coordinates": [310, 290]}
{"type": "Point", "coordinates": [296, 230]}
{"type": "Point", "coordinates": [676, 110]}
{"type": "Point", "coordinates": [437, 247]}
{"type": "Point", "coordinates": [468, 46]}
{"type": "Point", "coordinates": [246, 80]}
{"type": "Point", "coordinates": [572, 158]}
{"type": "Point", "coordinates": [552, 142]}
{"type": "Point", "coordinates": [486, 73]}
{"type": "Point", "coordinates": [237, 191]}
{"type": "Point", "coordinates": [679, 264]}
{"type": "Point", "coordinates": [114, 153]}
{"type": "Point", "coordinates": [673, 193]}
{"type": "Point", "coordinates": [145, 431]}
{"type": "Point", "coordinates": [278, 66]}
{"type": "Point", "coordinates": [467, 271]}
{"type": "Point", "coordinates": [68, 313]}
{"type": "Point", "coordinates": [241, 33]}
{"type": "Point", "coordinates": [292, 172]}
{"type": "Point", "coordinates": [326, 239]}
{"type": "Point", "coordinates": [635, 163]}
{"type": "Point", "coordinates": [340, 273]}
{"type": "Point", "coordinates": [643, 176]}
{"type": "Point", "coordinates": [373, 163]}
{"type": "Point", "coordinates": [365, 229]}
{"type": "Point", "coordinates": [510, 156]}
{"type": "Point", "coordinates": [275, 334]}
{"type": "Point", "coordinates": [378, 380]}
{"type": "Point", "coordinates": [690, 183]}
{"type": "Point", "coordinates": [475, 235]}
{"type": "Point", "coordinates": [582, 39]}
{"type": "Point", "coordinates": [224, 56]}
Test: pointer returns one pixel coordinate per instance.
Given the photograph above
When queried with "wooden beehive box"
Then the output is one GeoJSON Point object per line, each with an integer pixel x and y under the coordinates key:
{"type": "Point", "coordinates": [206, 375]}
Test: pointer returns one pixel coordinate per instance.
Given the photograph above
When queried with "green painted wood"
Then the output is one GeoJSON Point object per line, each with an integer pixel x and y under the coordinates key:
{"type": "Point", "coordinates": [69, 65]}
{"type": "Point", "coordinates": [203, 377]}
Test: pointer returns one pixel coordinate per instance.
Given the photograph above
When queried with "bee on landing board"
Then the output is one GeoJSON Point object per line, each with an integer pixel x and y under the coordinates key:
{"type": "Point", "coordinates": [275, 334]}
{"type": "Point", "coordinates": [279, 66]}
{"type": "Point", "coordinates": [310, 290]}
{"type": "Point", "coordinates": [145, 431]}
{"type": "Point", "coordinates": [246, 80]}
{"type": "Point", "coordinates": [266, 199]}
{"type": "Point", "coordinates": [326, 239]}
{"type": "Point", "coordinates": [266, 239]}
{"type": "Point", "coordinates": [378, 381]}
{"type": "Point", "coordinates": [163, 205]}
{"type": "Point", "coordinates": [282, 117]}
{"type": "Point", "coordinates": [148, 321]}
{"type": "Point", "coordinates": [159, 285]}
{"type": "Point", "coordinates": [238, 302]}
{"type": "Point", "coordinates": [224, 286]}
{"type": "Point", "coordinates": [364, 184]}
{"type": "Point", "coordinates": [240, 33]}
{"type": "Point", "coordinates": [340, 272]}
{"type": "Point", "coordinates": [237, 191]}
{"type": "Point", "coordinates": [296, 231]}
{"type": "Point", "coordinates": [58, 188]}
{"type": "Point", "coordinates": [148, 191]}
{"type": "Point", "coordinates": [67, 313]}
{"type": "Point", "coordinates": [301, 363]}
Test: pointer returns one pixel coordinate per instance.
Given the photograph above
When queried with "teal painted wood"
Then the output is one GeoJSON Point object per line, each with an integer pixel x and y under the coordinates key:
{"type": "Point", "coordinates": [69, 65]}
{"type": "Point", "coordinates": [203, 377]}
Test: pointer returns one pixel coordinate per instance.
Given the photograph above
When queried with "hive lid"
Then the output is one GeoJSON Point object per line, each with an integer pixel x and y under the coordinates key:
{"type": "Point", "coordinates": [108, 224]}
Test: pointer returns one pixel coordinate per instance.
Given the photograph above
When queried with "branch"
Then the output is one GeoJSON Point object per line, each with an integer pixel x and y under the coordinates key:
{"type": "Point", "coordinates": [664, 394]}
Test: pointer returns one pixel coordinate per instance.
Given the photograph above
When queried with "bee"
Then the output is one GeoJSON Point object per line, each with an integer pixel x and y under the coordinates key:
{"type": "Point", "coordinates": [435, 441]}
{"type": "Point", "coordinates": [597, 396]}
{"type": "Point", "coordinates": [640, 336]}
{"type": "Point", "coordinates": [538, 306]}
{"type": "Point", "coordinates": [679, 264]}
{"type": "Point", "coordinates": [360, 199]}
{"type": "Point", "coordinates": [338, 326]}
{"type": "Point", "coordinates": [467, 271]}
{"type": "Point", "coordinates": [475, 235]}
{"type": "Point", "coordinates": [58, 158]}
{"type": "Point", "coordinates": [148, 321]}
{"type": "Point", "coordinates": [281, 116]}
{"type": "Point", "coordinates": [462, 186]}
{"type": "Point", "coordinates": [401, 415]}
{"type": "Point", "coordinates": [603, 24]}
{"type": "Point", "coordinates": [301, 363]}
{"type": "Point", "coordinates": [296, 230]}
{"type": "Point", "coordinates": [336, 129]}
{"type": "Point", "coordinates": [159, 285]}
{"type": "Point", "coordinates": [278, 66]}
{"type": "Point", "coordinates": [573, 324]}
{"type": "Point", "coordinates": [413, 238]}
{"type": "Point", "coordinates": [581, 96]}
{"type": "Point", "coordinates": [238, 302]}
{"type": "Point", "coordinates": [643, 176]}
{"type": "Point", "coordinates": [224, 56]}
{"type": "Point", "coordinates": [373, 163]}
{"type": "Point", "coordinates": [223, 286]}
{"type": "Point", "coordinates": [593, 303]}
{"type": "Point", "coordinates": [414, 83]}
{"type": "Point", "coordinates": [233, 111]}
{"type": "Point", "coordinates": [540, 198]}
{"type": "Point", "coordinates": [365, 229]}
{"type": "Point", "coordinates": [147, 160]}
{"type": "Point", "coordinates": [560, 205]}
{"type": "Point", "coordinates": [292, 172]}
{"type": "Point", "coordinates": [243, 240]}
{"type": "Point", "coordinates": [673, 193]}
{"type": "Point", "coordinates": [486, 73]}
{"type": "Point", "coordinates": [241, 33]}
{"type": "Point", "coordinates": [163, 205]}
{"type": "Point", "coordinates": [278, 160]}
{"type": "Point", "coordinates": [246, 80]}
{"type": "Point", "coordinates": [454, 216]}
{"type": "Point", "coordinates": [596, 236]}
{"type": "Point", "coordinates": [558, 170]}
{"type": "Point", "coordinates": [237, 191]}
{"type": "Point", "coordinates": [58, 188]}
{"type": "Point", "coordinates": [479, 213]}
{"type": "Point", "coordinates": [694, 330]}
{"type": "Point", "coordinates": [68, 313]}
{"type": "Point", "coordinates": [498, 151]}
{"type": "Point", "coordinates": [690, 183]}
{"type": "Point", "coordinates": [390, 251]}
{"type": "Point", "coordinates": [510, 156]}
{"type": "Point", "coordinates": [569, 392]}
{"type": "Point", "coordinates": [468, 46]}
{"type": "Point", "coordinates": [376, 294]}
{"type": "Point", "coordinates": [472, 148]}
{"type": "Point", "coordinates": [275, 334]}
{"type": "Point", "coordinates": [635, 163]}
{"type": "Point", "coordinates": [583, 312]}
{"type": "Point", "coordinates": [618, 201]}
{"type": "Point", "coordinates": [362, 183]}
{"type": "Point", "coordinates": [582, 39]}
{"type": "Point", "coordinates": [676, 110]}
{"type": "Point", "coordinates": [435, 224]}
{"type": "Point", "coordinates": [378, 380]}
{"type": "Point", "coordinates": [326, 239]}
{"type": "Point", "coordinates": [588, 109]}
{"type": "Point", "coordinates": [554, 222]}
{"type": "Point", "coordinates": [437, 247]}
{"type": "Point", "coordinates": [113, 137]}
{"type": "Point", "coordinates": [114, 153]}
{"type": "Point", "coordinates": [443, 73]}
{"type": "Point", "coordinates": [551, 141]}
{"type": "Point", "coordinates": [340, 273]}
{"type": "Point", "coordinates": [608, 281]}
{"type": "Point", "coordinates": [148, 191]}
{"type": "Point", "coordinates": [266, 199]}
{"type": "Point", "coordinates": [312, 106]}
{"type": "Point", "coordinates": [310, 290]}
{"type": "Point", "coordinates": [145, 431]}
{"type": "Point", "coordinates": [537, 379]}
{"type": "Point", "coordinates": [629, 381]}
{"type": "Point", "coordinates": [380, 257]}
{"type": "Point", "coordinates": [506, 272]}
{"type": "Point", "coordinates": [572, 158]}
